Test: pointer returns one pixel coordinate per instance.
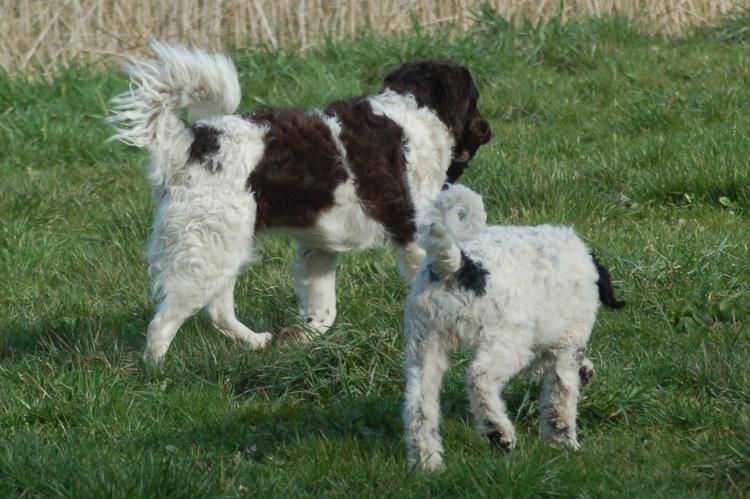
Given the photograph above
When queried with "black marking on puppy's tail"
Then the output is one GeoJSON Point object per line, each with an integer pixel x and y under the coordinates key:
{"type": "Point", "coordinates": [472, 275]}
{"type": "Point", "coordinates": [604, 283]}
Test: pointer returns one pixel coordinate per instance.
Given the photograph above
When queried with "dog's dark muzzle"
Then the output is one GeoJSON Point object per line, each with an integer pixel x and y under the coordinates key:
{"type": "Point", "coordinates": [475, 135]}
{"type": "Point", "coordinates": [480, 130]}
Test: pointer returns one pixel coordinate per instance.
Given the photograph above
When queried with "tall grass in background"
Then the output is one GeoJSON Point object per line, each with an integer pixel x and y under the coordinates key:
{"type": "Point", "coordinates": [40, 35]}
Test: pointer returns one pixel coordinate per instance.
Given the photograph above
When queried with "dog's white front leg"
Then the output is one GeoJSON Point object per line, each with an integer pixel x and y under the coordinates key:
{"type": "Point", "coordinates": [315, 278]}
{"type": "Point", "coordinates": [410, 259]}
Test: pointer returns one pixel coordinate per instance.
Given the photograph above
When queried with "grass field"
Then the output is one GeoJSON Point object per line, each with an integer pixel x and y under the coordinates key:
{"type": "Point", "coordinates": [641, 143]}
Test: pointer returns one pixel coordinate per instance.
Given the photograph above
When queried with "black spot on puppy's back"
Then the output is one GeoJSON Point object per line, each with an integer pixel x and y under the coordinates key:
{"type": "Point", "coordinates": [472, 275]}
{"type": "Point", "coordinates": [205, 142]}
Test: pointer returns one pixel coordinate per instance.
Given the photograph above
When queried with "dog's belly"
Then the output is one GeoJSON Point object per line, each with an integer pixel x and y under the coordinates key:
{"type": "Point", "coordinates": [345, 227]}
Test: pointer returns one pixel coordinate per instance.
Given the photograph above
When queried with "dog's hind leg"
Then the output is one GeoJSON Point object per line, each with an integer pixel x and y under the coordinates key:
{"type": "Point", "coordinates": [221, 312]}
{"type": "Point", "coordinates": [493, 365]}
{"type": "Point", "coordinates": [170, 314]}
{"type": "Point", "coordinates": [562, 378]}
{"type": "Point", "coordinates": [315, 277]}
{"type": "Point", "coordinates": [427, 359]}
{"type": "Point", "coordinates": [200, 242]}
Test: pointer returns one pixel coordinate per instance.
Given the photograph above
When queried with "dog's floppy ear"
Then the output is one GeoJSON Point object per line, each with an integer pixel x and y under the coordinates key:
{"type": "Point", "coordinates": [414, 78]}
{"type": "Point", "coordinates": [441, 86]}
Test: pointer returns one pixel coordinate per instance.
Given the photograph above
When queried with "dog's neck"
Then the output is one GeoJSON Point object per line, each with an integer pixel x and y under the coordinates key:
{"type": "Point", "coordinates": [428, 148]}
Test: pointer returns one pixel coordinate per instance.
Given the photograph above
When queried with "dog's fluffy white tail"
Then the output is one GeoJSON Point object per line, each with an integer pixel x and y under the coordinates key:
{"type": "Point", "coordinates": [147, 116]}
{"type": "Point", "coordinates": [456, 214]}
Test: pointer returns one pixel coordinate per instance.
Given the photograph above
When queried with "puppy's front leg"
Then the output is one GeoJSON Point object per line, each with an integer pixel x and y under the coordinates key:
{"type": "Point", "coordinates": [315, 278]}
{"type": "Point", "coordinates": [410, 259]}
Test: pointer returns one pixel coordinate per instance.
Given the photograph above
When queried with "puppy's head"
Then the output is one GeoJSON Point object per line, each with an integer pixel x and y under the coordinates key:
{"type": "Point", "coordinates": [449, 90]}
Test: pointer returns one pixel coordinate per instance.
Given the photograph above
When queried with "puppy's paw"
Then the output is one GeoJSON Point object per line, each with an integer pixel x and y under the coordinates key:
{"type": "Point", "coordinates": [586, 372]}
{"type": "Point", "coordinates": [433, 462]}
{"type": "Point", "coordinates": [501, 436]}
{"type": "Point", "coordinates": [563, 441]}
{"type": "Point", "coordinates": [426, 462]}
{"type": "Point", "coordinates": [500, 440]}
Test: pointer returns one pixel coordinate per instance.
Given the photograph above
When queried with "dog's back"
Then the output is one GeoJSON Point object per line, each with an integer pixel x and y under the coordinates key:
{"type": "Point", "coordinates": [542, 278]}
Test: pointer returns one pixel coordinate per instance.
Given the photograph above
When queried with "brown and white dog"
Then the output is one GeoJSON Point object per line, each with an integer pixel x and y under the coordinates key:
{"type": "Point", "coordinates": [343, 178]}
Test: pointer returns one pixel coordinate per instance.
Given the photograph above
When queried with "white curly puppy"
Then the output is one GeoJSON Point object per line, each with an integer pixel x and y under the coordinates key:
{"type": "Point", "coordinates": [517, 296]}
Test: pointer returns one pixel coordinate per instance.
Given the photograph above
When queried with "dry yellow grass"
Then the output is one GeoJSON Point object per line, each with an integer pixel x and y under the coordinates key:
{"type": "Point", "coordinates": [43, 34]}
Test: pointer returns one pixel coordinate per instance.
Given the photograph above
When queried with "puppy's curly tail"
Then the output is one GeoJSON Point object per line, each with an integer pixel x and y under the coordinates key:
{"type": "Point", "coordinates": [147, 115]}
{"type": "Point", "coordinates": [456, 214]}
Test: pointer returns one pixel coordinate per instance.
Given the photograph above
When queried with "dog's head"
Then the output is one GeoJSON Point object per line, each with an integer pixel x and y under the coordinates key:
{"type": "Point", "coordinates": [449, 90]}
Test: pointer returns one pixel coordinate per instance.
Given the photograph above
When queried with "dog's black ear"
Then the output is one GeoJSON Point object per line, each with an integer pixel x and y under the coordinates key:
{"type": "Point", "coordinates": [449, 90]}
{"type": "Point", "coordinates": [442, 86]}
{"type": "Point", "coordinates": [414, 78]}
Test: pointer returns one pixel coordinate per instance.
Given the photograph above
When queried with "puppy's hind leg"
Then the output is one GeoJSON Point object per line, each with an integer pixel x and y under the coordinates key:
{"type": "Point", "coordinates": [586, 371]}
{"type": "Point", "coordinates": [493, 365]}
{"type": "Point", "coordinates": [559, 399]}
{"type": "Point", "coordinates": [221, 312]}
{"type": "Point", "coordinates": [427, 360]}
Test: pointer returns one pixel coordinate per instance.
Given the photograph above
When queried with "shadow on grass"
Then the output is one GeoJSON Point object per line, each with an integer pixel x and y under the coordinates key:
{"type": "Point", "coordinates": [74, 336]}
{"type": "Point", "coordinates": [266, 432]}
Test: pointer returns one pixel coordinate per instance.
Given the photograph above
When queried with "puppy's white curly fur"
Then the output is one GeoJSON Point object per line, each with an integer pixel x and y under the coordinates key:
{"type": "Point", "coordinates": [516, 296]}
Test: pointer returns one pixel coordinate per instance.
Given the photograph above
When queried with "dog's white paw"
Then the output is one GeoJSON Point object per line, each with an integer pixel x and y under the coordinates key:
{"type": "Point", "coordinates": [434, 462]}
{"type": "Point", "coordinates": [259, 341]}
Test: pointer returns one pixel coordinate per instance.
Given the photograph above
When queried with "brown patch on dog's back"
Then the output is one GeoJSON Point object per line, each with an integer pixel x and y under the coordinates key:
{"type": "Point", "coordinates": [375, 152]}
{"type": "Point", "coordinates": [295, 180]}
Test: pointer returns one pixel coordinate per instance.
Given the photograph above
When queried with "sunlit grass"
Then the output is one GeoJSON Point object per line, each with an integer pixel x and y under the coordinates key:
{"type": "Point", "coordinates": [640, 143]}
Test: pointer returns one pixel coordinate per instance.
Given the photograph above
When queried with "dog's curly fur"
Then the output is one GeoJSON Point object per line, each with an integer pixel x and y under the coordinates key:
{"type": "Point", "coordinates": [343, 178]}
{"type": "Point", "coordinates": [517, 296]}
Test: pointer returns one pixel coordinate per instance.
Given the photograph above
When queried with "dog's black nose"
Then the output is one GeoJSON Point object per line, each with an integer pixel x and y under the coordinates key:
{"type": "Point", "coordinates": [445, 187]}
